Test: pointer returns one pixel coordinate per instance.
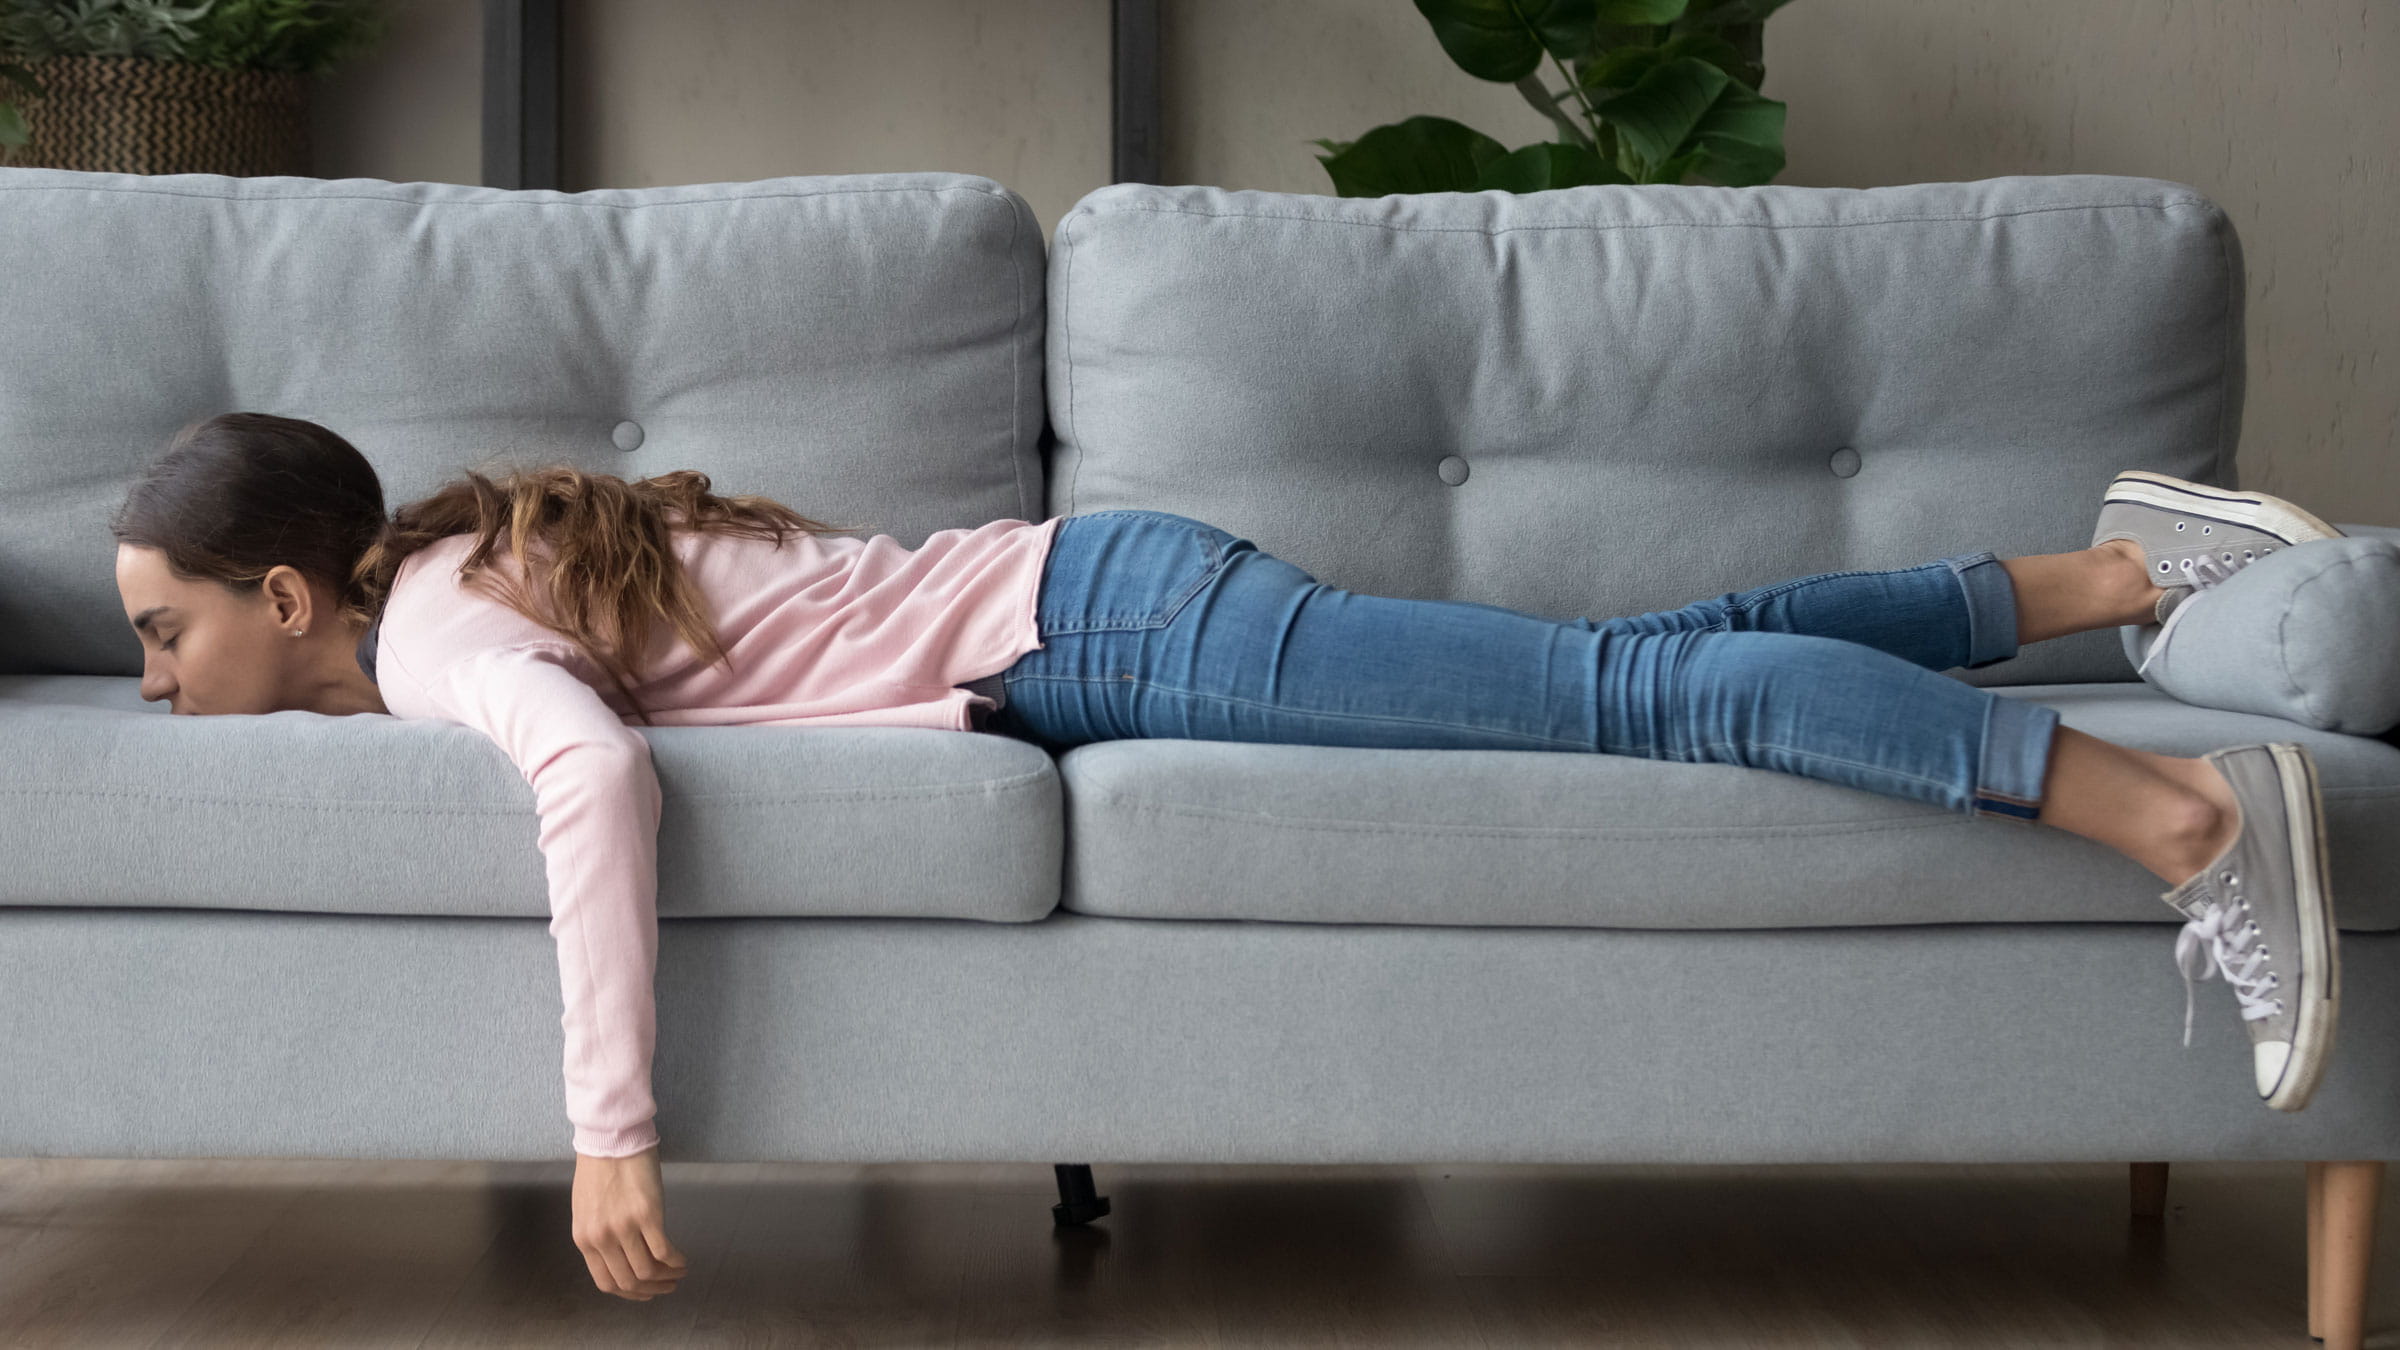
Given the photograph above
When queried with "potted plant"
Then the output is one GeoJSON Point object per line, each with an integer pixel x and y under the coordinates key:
{"type": "Point", "coordinates": [1655, 89]}
{"type": "Point", "coordinates": [141, 86]}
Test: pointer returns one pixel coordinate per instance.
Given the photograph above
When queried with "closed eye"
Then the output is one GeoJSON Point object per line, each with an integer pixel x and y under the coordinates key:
{"type": "Point", "coordinates": [168, 645]}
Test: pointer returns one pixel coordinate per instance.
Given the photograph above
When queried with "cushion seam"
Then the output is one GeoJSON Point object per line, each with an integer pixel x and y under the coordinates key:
{"type": "Point", "coordinates": [1020, 783]}
{"type": "Point", "coordinates": [509, 201]}
{"type": "Point", "coordinates": [1164, 209]}
{"type": "Point", "coordinates": [1336, 824]}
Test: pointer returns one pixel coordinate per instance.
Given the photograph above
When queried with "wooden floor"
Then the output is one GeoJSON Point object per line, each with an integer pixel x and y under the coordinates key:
{"type": "Point", "coordinates": [326, 1254]}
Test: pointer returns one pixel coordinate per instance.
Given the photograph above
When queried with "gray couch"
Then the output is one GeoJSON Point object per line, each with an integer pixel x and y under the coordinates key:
{"type": "Point", "coordinates": [298, 935]}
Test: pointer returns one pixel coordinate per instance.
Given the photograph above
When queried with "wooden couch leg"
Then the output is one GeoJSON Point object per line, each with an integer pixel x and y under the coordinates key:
{"type": "Point", "coordinates": [2149, 1190]}
{"type": "Point", "coordinates": [2341, 1246]}
{"type": "Point", "coordinates": [2316, 1249]}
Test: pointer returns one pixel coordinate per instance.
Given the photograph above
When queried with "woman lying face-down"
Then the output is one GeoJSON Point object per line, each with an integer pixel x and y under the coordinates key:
{"type": "Point", "coordinates": [254, 559]}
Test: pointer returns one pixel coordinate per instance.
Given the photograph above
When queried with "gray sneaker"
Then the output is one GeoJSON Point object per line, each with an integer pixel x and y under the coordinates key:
{"type": "Point", "coordinates": [2195, 535]}
{"type": "Point", "coordinates": [2261, 915]}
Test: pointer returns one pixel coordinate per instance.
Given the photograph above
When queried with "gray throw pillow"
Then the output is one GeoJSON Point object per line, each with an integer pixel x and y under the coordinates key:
{"type": "Point", "coordinates": [2310, 633]}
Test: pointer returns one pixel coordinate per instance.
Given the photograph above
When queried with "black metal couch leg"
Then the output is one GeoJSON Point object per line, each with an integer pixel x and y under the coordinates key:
{"type": "Point", "coordinates": [1076, 1202]}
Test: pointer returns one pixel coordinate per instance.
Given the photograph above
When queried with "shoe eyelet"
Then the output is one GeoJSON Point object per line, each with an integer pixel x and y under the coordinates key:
{"type": "Point", "coordinates": [2181, 523]}
{"type": "Point", "coordinates": [2279, 1005]}
{"type": "Point", "coordinates": [2226, 877]}
{"type": "Point", "coordinates": [2247, 555]}
{"type": "Point", "coordinates": [2228, 558]}
{"type": "Point", "coordinates": [2186, 564]}
{"type": "Point", "coordinates": [2165, 566]}
{"type": "Point", "coordinates": [2206, 528]}
{"type": "Point", "coordinates": [2264, 551]}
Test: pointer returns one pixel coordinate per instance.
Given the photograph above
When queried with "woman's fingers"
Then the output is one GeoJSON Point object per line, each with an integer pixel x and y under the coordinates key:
{"type": "Point", "coordinates": [651, 1274]}
{"type": "Point", "coordinates": [623, 1266]}
{"type": "Point", "coordinates": [621, 1270]}
{"type": "Point", "coordinates": [599, 1269]}
{"type": "Point", "coordinates": [615, 1277]}
{"type": "Point", "coordinates": [656, 1238]}
{"type": "Point", "coordinates": [634, 1272]}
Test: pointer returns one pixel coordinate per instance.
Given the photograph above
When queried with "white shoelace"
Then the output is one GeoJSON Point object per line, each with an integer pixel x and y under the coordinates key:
{"type": "Point", "coordinates": [2205, 573]}
{"type": "Point", "coordinates": [2212, 943]}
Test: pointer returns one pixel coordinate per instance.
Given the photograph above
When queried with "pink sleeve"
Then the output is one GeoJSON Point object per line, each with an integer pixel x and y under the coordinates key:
{"type": "Point", "coordinates": [597, 795]}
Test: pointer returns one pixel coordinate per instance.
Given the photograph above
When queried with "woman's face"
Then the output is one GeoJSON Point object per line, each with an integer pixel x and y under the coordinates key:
{"type": "Point", "coordinates": [206, 649]}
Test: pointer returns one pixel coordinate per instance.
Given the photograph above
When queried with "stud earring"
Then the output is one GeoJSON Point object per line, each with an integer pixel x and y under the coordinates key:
{"type": "Point", "coordinates": [298, 631]}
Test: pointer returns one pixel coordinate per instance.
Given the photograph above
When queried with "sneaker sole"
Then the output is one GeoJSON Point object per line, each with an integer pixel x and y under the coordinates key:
{"type": "Point", "coordinates": [2320, 1006]}
{"type": "Point", "coordinates": [2271, 514]}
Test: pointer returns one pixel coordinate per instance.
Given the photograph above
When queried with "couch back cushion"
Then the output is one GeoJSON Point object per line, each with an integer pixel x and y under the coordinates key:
{"type": "Point", "coordinates": [865, 348]}
{"type": "Point", "coordinates": [1606, 400]}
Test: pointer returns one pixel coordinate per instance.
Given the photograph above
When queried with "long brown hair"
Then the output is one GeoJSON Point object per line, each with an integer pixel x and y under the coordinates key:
{"type": "Point", "coordinates": [238, 493]}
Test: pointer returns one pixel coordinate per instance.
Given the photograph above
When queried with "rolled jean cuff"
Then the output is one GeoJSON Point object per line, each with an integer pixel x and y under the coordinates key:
{"type": "Point", "coordinates": [2017, 734]}
{"type": "Point", "coordinates": [1991, 608]}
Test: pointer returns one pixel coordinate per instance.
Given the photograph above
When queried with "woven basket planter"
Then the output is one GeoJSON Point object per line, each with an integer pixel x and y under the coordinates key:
{"type": "Point", "coordinates": [131, 114]}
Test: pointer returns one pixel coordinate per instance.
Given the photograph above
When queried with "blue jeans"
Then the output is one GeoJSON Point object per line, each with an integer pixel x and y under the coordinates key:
{"type": "Point", "coordinates": [1158, 625]}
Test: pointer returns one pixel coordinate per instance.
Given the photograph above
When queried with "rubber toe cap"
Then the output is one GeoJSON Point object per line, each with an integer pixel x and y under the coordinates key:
{"type": "Point", "coordinates": [2268, 1058]}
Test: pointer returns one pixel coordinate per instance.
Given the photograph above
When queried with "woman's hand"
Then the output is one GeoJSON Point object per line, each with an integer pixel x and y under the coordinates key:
{"type": "Point", "coordinates": [620, 1205]}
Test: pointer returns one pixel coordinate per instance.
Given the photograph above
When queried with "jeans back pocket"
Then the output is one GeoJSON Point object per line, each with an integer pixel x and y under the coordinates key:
{"type": "Point", "coordinates": [1126, 569]}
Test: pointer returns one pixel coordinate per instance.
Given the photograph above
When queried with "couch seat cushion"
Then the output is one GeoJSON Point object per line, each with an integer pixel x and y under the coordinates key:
{"type": "Point", "coordinates": [1194, 829]}
{"type": "Point", "coordinates": [110, 801]}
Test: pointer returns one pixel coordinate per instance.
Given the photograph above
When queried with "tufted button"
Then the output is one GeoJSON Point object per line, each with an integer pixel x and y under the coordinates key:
{"type": "Point", "coordinates": [1844, 462]}
{"type": "Point", "coordinates": [1452, 469]}
{"type": "Point", "coordinates": [628, 435]}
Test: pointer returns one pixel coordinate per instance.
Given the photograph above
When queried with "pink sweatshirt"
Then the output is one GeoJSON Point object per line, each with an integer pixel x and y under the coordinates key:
{"type": "Point", "coordinates": [830, 630]}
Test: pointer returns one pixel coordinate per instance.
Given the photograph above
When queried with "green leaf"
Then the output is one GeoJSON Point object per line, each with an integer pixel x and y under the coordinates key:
{"type": "Point", "coordinates": [12, 126]}
{"type": "Point", "coordinates": [1710, 48]}
{"type": "Point", "coordinates": [1421, 154]}
{"type": "Point", "coordinates": [1742, 115]}
{"type": "Point", "coordinates": [1503, 40]}
{"type": "Point", "coordinates": [23, 79]}
{"type": "Point", "coordinates": [1742, 135]}
{"type": "Point", "coordinates": [1655, 116]}
{"type": "Point", "coordinates": [1547, 164]}
{"type": "Point", "coordinates": [1674, 169]}
{"type": "Point", "coordinates": [1640, 11]}
{"type": "Point", "coordinates": [1733, 165]}
{"type": "Point", "coordinates": [1622, 68]}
